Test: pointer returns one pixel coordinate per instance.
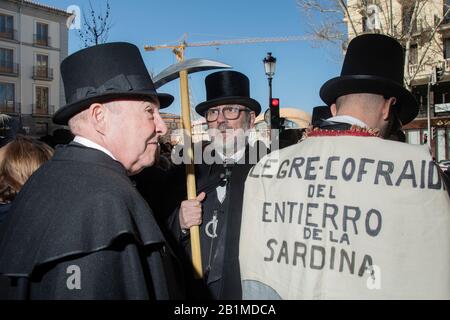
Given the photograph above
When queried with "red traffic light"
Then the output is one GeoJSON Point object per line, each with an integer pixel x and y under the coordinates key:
{"type": "Point", "coordinates": [275, 102]}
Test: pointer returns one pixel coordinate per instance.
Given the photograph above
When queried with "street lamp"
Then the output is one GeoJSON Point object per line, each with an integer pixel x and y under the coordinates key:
{"type": "Point", "coordinates": [269, 67]}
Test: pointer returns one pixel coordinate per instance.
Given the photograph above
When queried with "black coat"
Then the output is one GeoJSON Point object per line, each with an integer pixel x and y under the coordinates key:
{"type": "Point", "coordinates": [80, 210]}
{"type": "Point", "coordinates": [223, 280]}
{"type": "Point", "coordinates": [4, 209]}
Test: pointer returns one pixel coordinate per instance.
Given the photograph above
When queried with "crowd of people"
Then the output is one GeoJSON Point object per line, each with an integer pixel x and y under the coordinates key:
{"type": "Point", "coordinates": [342, 210]}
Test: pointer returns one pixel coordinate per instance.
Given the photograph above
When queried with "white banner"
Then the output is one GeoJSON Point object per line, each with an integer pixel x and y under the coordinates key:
{"type": "Point", "coordinates": [346, 218]}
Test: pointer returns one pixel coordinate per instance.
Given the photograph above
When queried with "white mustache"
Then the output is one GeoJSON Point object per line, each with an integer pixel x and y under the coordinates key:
{"type": "Point", "coordinates": [224, 126]}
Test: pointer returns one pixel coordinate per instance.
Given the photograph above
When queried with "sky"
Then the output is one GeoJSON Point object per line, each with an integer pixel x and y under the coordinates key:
{"type": "Point", "coordinates": [302, 66]}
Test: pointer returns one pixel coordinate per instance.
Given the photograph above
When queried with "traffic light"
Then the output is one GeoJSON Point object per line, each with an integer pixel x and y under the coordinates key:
{"type": "Point", "coordinates": [274, 113]}
{"type": "Point", "coordinates": [437, 74]}
{"type": "Point", "coordinates": [433, 133]}
{"type": "Point", "coordinates": [275, 102]}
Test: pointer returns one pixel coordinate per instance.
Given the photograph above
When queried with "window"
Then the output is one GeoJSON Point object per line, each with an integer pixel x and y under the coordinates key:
{"type": "Point", "coordinates": [407, 17]}
{"type": "Point", "coordinates": [42, 60]}
{"type": "Point", "coordinates": [42, 34]}
{"type": "Point", "coordinates": [6, 97]}
{"type": "Point", "coordinates": [290, 124]}
{"type": "Point", "coordinates": [446, 11]}
{"type": "Point", "coordinates": [413, 54]}
{"type": "Point", "coordinates": [42, 65]}
{"type": "Point", "coordinates": [6, 26]}
{"type": "Point", "coordinates": [364, 24]}
{"type": "Point", "coordinates": [41, 100]}
{"type": "Point", "coordinates": [441, 102]}
{"type": "Point", "coordinates": [6, 60]}
{"type": "Point", "coordinates": [413, 136]}
{"type": "Point", "coordinates": [440, 144]}
{"type": "Point", "coordinates": [447, 48]}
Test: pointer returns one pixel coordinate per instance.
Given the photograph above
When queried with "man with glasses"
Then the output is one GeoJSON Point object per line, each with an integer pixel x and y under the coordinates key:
{"type": "Point", "coordinates": [228, 125]}
{"type": "Point", "coordinates": [230, 114]}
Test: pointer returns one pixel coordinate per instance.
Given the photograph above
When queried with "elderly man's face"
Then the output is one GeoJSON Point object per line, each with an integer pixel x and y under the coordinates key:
{"type": "Point", "coordinates": [228, 124]}
{"type": "Point", "coordinates": [132, 134]}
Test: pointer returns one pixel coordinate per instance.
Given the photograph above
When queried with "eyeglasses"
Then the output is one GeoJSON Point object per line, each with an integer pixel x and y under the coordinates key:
{"type": "Point", "coordinates": [229, 113]}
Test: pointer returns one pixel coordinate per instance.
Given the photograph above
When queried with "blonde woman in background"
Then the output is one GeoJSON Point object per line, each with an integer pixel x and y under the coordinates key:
{"type": "Point", "coordinates": [20, 158]}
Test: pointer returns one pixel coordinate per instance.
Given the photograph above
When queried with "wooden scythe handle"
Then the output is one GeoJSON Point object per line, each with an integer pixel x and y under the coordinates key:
{"type": "Point", "coordinates": [190, 172]}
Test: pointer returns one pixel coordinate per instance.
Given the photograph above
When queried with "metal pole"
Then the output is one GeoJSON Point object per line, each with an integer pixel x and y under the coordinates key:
{"type": "Point", "coordinates": [428, 116]}
{"type": "Point", "coordinates": [270, 90]}
{"type": "Point", "coordinates": [392, 20]}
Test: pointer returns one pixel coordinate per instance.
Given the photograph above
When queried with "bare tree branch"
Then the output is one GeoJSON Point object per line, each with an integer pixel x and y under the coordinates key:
{"type": "Point", "coordinates": [96, 27]}
{"type": "Point", "coordinates": [332, 21]}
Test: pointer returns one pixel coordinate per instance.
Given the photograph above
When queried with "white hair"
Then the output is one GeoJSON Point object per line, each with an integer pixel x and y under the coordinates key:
{"type": "Point", "coordinates": [77, 122]}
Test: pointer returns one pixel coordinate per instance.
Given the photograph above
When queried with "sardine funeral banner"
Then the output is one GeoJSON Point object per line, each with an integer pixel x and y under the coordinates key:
{"type": "Point", "coordinates": [346, 218]}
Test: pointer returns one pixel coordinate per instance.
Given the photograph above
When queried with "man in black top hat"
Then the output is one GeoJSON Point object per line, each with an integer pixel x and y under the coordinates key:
{"type": "Point", "coordinates": [299, 198]}
{"type": "Point", "coordinates": [319, 114]}
{"type": "Point", "coordinates": [230, 113]}
{"type": "Point", "coordinates": [369, 93]}
{"type": "Point", "coordinates": [79, 229]}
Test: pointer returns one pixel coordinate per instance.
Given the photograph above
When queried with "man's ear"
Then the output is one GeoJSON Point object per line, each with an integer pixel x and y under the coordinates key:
{"type": "Point", "coordinates": [389, 103]}
{"type": "Point", "coordinates": [251, 119]}
{"type": "Point", "coordinates": [98, 114]}
{"type": "Point", "coordinates": [333, 109]}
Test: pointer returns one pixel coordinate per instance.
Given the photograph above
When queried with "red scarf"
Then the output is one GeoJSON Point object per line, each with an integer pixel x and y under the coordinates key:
{"type": "Point", "coordinates": [353, 131]}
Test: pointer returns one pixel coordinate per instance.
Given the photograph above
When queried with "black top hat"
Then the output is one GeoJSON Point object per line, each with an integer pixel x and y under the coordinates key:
{"type": "Point", "coordinates": [373, 64]}
{"type": "Point", "coordinates": [320, 113]}
{"type": "Point", "coordinates": [227, 87]}
{"type": "Point", "coordinates": [105, 72]}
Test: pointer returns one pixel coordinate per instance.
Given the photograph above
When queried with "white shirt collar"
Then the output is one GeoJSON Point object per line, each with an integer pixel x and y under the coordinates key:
{"type": "Point", "coordinates": [233, 158]}
{"type": "Point", "coordinates": [90, 144]}
{"type": "Point", "coordinates": [349, 120]}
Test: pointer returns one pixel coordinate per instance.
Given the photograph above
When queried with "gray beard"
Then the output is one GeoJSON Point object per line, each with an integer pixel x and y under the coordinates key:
{"type": "Point", "coordinates": [232, 144]}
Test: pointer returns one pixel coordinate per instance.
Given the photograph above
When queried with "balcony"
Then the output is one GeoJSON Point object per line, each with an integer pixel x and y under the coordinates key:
{"type": "Point", "coordinates": [10, 107]}
{"type": "Point", "coordinates": [43, 110]}
{"type": "Point", "coordinates": [422, 111]}
{"type": "Point", "coordinates": [413, 68]}
{"type": "Point", "coordinates": [440, 108]}
{"type": "Point", "coordinates": [437, 110]}
{"type": "Point", "coordinates": [9, 69]}
{"type": "Point", "coordinates": [8, 34]}
{"type": "Point", "coordinates": [41, 40]}
{"type": "Point", "coordinates": [42, 73]}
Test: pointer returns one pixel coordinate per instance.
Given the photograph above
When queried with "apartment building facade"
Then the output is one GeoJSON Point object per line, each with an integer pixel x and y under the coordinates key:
{"type": "Point", "coordinates": [426, 39]}
{"type": "Point", "coordinates": [33, 42]}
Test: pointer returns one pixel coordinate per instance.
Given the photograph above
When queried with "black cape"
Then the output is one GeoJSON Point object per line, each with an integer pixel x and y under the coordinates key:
{"type": "Point", "coordinates": [80, 210]}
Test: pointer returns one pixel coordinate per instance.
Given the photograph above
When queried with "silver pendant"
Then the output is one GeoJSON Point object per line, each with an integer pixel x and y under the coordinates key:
{"type": "Point", "coordinates": [212, 226]}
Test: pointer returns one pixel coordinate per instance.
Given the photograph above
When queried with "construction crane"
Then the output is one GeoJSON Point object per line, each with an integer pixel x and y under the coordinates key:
{"type": "Point", "coordinates": [178, 49]}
